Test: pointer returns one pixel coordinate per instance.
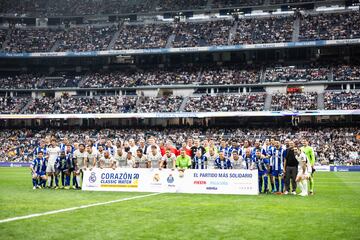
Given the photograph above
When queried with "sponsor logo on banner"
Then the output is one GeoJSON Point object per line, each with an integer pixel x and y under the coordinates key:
{"type": "Point", "coordinates": [170, 179]}
{"type": "Point", "coordinates": [119, 180]}
{"type": "Point", "coordinates": [92, 177]}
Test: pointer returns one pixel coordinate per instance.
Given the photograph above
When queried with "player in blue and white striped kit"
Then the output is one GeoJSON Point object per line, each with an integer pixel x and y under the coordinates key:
{"type": "Point", "coordinates": [38, 170]}
{"type": "Point", "coordinates": [247, 159]}
{"type": "Point", "coordinates": [262, 165]}
{"type": "Point", "coordinates": [222, 162]}
{"type": "Point", "coordinates": [224, 148]}
{"type": "Point", "coordinates": [277, 166]}
{"type": "Point", "coordinates": [200, 161]}
{"type": "Point", "coordinates": [42, 148]}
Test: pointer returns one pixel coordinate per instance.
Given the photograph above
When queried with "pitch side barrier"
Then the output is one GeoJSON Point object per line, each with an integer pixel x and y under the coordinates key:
{"type": "Point", "coordinates": [209, 181]}
{"type": "Point", "coordinates": [182, 114]}
{"type": "Point", "coordinates": [317, 43]}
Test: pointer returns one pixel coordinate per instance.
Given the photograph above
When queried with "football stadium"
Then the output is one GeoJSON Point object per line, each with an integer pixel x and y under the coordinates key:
{"type": "Point", "coordinates": [187, 119]}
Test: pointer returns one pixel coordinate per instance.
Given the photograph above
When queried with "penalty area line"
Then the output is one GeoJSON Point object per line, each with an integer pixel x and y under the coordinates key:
{"type": "Point", "coordinates": [75, 208]}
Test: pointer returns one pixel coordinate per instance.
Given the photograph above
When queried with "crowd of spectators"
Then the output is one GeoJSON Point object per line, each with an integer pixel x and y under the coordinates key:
{"type": "Point", "coordinates": [129, 78]}
{"type": "Point", "coordinates": [235, 3]}
{"type": "Point", "coordinates": [25, 40]}
{"type": "Point", "coordinates": [263, 30]}
{"type": "Point", "coordinates": [226, 103]}
{"type": "Point", "coordinates": [20, 81]}
{"type": "Point", "coordinates": [295, 73]}
{"type": "Point", "coordinates": [293, 1]}
{"type": "Point", "coordinates": [170, 5]}
{"type": "Point", "coordinates": [331, 145]}
{"type": "Point", "coordinates": [346, 72]}
{"type": "Point", "coordinates": [186, 34]}
{"type": "Point", "coordinates": [197, 34]}
{"type": "Point", "coordinates": [330, 26]}
{"type": "Point", "coordinates": [143, 36]}
{"type": "Point", "coordinates": [12, 105]}
{"type": "Point", "coordinates": [69, 104]}
{"type": "Point", "coordinates": [342, 100]}
{"type": "Point", "coordinates": [126, 6]}
{"type": "Point", "coordinates": [182, 75]}
{"type": "Point", "coordinates": [229, 75]}
{"type": "Point", "coordinates": [204, 103]}
{"type": "Point", "coordinates": [89, 38]}
{"type": "Point", "coordinates": [159, 104]}
{"type": "Point", "coordinates": [294, 101]}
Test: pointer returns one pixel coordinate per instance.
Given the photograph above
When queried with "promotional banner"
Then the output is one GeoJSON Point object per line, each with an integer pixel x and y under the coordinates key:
{"type": "Point", "coordinates": [321, 168]}
{"type": "Point", "coordinates": [130, 180]}
{"type": "Point", "coordinates": [166, 180]}
{"type": "Point", "coordinates": [217, 181]}
{"type": "Point", "coordinates": [15, 164]}
{"type": "Point", "coordinates": [345, 168]}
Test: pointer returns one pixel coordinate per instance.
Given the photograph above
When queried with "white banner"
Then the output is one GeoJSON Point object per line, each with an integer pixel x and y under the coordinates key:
{"type": "Point", "coordinates": [166, 180]}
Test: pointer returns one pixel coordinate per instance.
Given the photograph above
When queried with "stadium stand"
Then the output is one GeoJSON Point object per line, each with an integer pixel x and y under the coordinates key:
{"type": "Point", "coordinates": [294, 101]}
{"type": "Point", "coordinates": [342, 100]}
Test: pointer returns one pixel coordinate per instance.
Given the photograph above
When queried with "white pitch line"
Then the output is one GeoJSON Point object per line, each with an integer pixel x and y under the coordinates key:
{"type": "Point", "coordinates": [75, 208]}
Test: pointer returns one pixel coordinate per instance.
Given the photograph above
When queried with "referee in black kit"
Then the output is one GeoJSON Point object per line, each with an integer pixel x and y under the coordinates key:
{"type": "Point", "coordinates": [291, 169]}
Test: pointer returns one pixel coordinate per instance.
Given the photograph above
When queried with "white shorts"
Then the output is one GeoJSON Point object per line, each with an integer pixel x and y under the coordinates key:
{"type": "Point", "coordinates": [303, 175]}
{"type": "Point", "coordinates": [50, 168]}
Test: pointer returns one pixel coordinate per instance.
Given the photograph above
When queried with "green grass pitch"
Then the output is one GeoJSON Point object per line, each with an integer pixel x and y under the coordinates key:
{"type": "Point", "coordinates": [333, 213]}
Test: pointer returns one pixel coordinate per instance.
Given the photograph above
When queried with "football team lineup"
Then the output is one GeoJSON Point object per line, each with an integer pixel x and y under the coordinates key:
{"type": "Point", "coordinates": [335, 203]}
{"type": "Point", "coordinates": [282, 165]}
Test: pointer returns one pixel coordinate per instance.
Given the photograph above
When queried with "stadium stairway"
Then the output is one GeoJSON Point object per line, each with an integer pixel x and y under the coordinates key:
{"type": "Point", "coordinates": [320, 101]}
{"type": "Point", "coordinates": [7, 39]}
{"type": "Point", "coordinates": [267, 103]}
{"type": "Point", "coordinates": [232, 32]}
{"type": "Point", "coordinates": [56, 45]}
{"type": "Point", "coordinates": [296, 30]}
{"type": "Point", "coordinates": [41, 81]}
{"type": "Point", "coordinates": [82, 82]}
{"type": "Point", "coordinates": [183, 104]}
{"type": "Point", "coordinates": [209, 4]}
{"type": "Point", "coordinates": [330, 76]}
{"type": "Point", "coordinates": [170, 40]}
{"type": "Point", "coordinates": [113, 40]}
{"type": "Point", "coordinates": [26, 106]}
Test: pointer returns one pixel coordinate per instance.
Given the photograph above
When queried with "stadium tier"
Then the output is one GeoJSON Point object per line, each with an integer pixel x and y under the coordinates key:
{"type": "Point", "coordinates": [157, 34]}
{"type": "Point", "coordinates": [204, 103]}
{"type": "Point", "coordinates": [196, 75]}
{"type": "Point", "coordinates": [94, 7]}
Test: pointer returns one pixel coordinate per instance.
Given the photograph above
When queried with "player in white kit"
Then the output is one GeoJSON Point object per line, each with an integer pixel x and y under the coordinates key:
{"type": "Point", "coordinates": [168, 160]}
{"type": "Point", "coordinates": [107, 161]}
{"type": "Point", "coordinates": [53, 151]}
{"type": "Point", "coordinates": [140, 159]}
{"type": "Point", "coordinates": [154, 157]}
{"type": "Point", "coordinates": [304, 170]}
{"type": "Point", "coordinates": [211, 156]}
{"type": "Point", "coordinates": [91, 158]}
{"type": "Point", "coordinates": [120, 158]}
{"type": "Point", "coordinates": [78, 159]}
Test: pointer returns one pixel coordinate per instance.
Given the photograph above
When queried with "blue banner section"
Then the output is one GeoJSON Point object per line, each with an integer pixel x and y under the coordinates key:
{"type": "Point", "coordinates": [345, 168]}
{"type": "Point", "coordinates": [318, 43]}
{"type": "Point", "coordinates": [14, 164]}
